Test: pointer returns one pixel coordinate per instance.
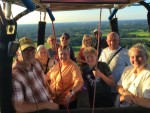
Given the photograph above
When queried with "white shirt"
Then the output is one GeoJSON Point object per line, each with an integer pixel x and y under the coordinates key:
{"type": "Point", "coordinates": [138, 85]}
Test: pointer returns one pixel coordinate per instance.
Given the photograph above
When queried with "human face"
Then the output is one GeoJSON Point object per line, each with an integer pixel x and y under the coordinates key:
{"type": "Point", "coordinates": [52, 41]}
{"type": "Point", "coordinates": [64, 40]}
{"type": "Point", "coordinates": [96, 35]}
{"type": "Point", "coordinates": [28, 54]}
{"type": "Point", "coordinates": [43, 53]}
{"type": "Point", "coordinates": [63, 55]}
{"type": "Point", "coordinates": [113, 42]}
{"type": "Point", "coordinates": [137, 58]}
{"type": "Point", "coordinates": [87, 41]}
{"type": "Point", "coordinates": [91, 59]}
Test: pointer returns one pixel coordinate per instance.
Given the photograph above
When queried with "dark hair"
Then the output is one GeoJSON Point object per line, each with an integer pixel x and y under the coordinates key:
{"type": "Point", "coordinates": [67, 35]}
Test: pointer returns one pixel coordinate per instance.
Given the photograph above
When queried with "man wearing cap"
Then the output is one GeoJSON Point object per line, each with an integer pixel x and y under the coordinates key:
{"type": "Point", "coordinates": [102, 42]}
{"type": "Point", "coordinates": [64, 41]}
{"type": "Point", "coordinates": [29, 89]}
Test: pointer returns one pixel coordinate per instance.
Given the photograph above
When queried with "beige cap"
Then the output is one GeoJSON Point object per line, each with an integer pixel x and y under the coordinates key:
{"type": "Point", "coordinates": [25, 43]}
{"type": "Point", "coordinates": [96, 31]}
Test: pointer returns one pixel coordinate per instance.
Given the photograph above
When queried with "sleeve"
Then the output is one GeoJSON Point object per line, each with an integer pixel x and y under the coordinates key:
{"type": "Point", "coordinates": [124, 75]}
{"type": "Point", "coordinates": [101, 56]}
{"type": "Point", "coordinates": [146, 87]}
{"type": "Point", "coordinates": [77, 77]}
{"type": "Point", "coordinates": [106, 70]}
{"type": "Point", "coordinates": [17, 91]}
{"type": "Point", "coordinates": [80, 53]}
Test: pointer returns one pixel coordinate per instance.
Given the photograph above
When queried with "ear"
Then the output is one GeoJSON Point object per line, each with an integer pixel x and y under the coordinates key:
{"type": "Point", "coordinates": [19, 53]}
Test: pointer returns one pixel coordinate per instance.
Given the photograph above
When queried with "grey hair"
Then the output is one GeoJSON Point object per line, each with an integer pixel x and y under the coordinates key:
{"type": "Point", "coordinates": [40, 47]}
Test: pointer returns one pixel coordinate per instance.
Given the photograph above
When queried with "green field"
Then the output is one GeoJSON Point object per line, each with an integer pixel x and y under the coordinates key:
{"type": "Point", "coordinates": [125, 42]}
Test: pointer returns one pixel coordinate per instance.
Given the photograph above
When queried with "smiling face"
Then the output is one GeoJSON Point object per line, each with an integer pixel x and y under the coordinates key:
{"type": "Point", "coordinates": [137, 58]}
{"type": "Point", "coordinates": [113, 41]}
{"type": "Point", "coordinates": [42, 53]}
{"type": "Point", "coordinates": [91, 59]}
{"type": "Point", "coordinates": [27, 55]}
{"type": "Point", "coordinates": [64, 40]}
{"type": "Point", "coordinates": [90, 55]}
{"type": "Point", "coordinates": [63, 54]}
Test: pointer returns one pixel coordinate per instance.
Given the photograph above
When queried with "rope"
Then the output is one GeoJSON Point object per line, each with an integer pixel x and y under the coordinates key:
{"type": "Point", "coordinates": [99, 26]}
{"type": "Point", "coordinates": [53, 31]}
{"type": "Point", "coordinates": [68, 111]}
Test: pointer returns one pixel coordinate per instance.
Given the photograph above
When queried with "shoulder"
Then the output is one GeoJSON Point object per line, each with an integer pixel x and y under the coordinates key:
{"type": "Point", "coordinates": [106, 49]}
{"type": "Point", "coordinates": [128, 69]}
{"type": "Point", "coordinates": [124, 50]}
{"type": "Point", "coordinates": [147, 71]}
{"type": "Point", "coordinates": [37, 64]}
{"type": "Point", "coordinates": [102, 64]}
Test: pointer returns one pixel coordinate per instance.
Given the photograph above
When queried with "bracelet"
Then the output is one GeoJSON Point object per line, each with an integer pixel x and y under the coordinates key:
{"type": "Point", "coordinates": [123, 92]}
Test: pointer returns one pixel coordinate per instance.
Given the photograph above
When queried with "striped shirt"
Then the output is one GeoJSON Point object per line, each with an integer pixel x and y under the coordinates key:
{"type": "Point", "coordinates": [29, 86]}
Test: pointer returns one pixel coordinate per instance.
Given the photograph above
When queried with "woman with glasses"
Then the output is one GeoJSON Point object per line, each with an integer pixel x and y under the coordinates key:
{"type": "Point", "coordinates": [43, 57]}
{"type": "Point", "coordinates": [51, 40]}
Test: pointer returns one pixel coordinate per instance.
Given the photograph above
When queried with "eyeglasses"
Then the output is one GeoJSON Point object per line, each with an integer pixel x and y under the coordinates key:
{"type": "Point", "coordinates": [64, 38]}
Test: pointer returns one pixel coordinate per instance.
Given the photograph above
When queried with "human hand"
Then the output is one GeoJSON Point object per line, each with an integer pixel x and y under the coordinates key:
{"type": "Point", "coordinates": [127, 96]}
{"type": "Point", "coordinates": [53, 106]}
{"type": "Point", "coordinates": [68, 98]}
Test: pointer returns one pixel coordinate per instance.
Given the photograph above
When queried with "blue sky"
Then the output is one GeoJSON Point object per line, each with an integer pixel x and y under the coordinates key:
{"type": "Point", "coordinates": [132, 12]}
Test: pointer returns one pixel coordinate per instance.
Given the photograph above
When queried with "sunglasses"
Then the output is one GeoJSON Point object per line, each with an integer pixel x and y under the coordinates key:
{"type": "Point", "coordinates": [64, 38]}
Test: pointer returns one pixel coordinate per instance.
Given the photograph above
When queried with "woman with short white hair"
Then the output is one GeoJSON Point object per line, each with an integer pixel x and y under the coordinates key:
{"type": "Point", "coordinates": [43, 57]}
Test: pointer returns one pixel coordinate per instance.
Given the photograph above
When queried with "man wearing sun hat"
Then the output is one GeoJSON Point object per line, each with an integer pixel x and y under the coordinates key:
{"type": "Point", "coordinates": [102, 42]}
{"type": "Point", "coordinates": [29, 89]}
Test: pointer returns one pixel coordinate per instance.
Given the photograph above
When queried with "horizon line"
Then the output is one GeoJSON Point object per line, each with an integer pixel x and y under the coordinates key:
{"type": "Point", "coordinates": [82, 21]}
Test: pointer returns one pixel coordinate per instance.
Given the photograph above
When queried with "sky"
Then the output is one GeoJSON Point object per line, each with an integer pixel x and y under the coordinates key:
{"type": "Point", "coordinates": [128, 13]}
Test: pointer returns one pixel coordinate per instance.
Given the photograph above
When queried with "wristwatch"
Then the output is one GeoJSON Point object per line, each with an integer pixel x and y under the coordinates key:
{"type": "Point", "coordinates": [72, 92]}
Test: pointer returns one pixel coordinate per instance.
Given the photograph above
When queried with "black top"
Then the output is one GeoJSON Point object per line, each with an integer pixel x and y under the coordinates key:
{"type": "Point", "coordinates": [102, 44]}
{"type": "Point", "coordinates": [103, 91]}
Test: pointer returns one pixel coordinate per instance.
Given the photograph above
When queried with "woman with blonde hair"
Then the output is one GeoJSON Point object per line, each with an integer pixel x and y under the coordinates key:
{"type": "Point", "coordinates": [86, 42]}
{"type": "Point", "coordinates": [134, 84]}
{"type": "Point", "coordinates": [43, 57]}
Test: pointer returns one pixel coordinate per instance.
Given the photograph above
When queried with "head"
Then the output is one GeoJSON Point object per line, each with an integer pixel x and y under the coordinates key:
{"type": "Point", "coordinates": [64, 39]}
{"type": "Point", "coordinates": [41, 52]}
{"type": "Point", "coordinates": [26, 51]}
{"type": "Point", "coordinates": [51, 40]}
{"type": "Point", "coordinates": [86, 41]}
{"type": "Point", "coordinates": [138, 55]}
{"type": "Point", "coordinates": [113, 41]}
{"type": "Point", "coordinates": [90, 55]}
{"type": "Point", "coordinates": [64, 53]}
{"type": "Point", "coordinates": [95, 32]}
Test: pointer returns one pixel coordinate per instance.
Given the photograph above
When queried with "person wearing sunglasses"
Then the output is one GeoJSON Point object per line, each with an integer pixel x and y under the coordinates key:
{"type": "Point", "coordinates": [64, 41]}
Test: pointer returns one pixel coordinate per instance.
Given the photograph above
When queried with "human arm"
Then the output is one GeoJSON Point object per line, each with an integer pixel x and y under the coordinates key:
{"type": "Point", "coordinates": [144, 102]}
{"type": "Point", "coordinates": [108, 80]}
{"type": "Point", "coordinates": [80, 56]}
{"type": "Point", "coordinates": [125, 94]}
{"type": "Point", "coordinates": [24, 107]}
{"type": "Point", "coordinates": [77, 82]}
